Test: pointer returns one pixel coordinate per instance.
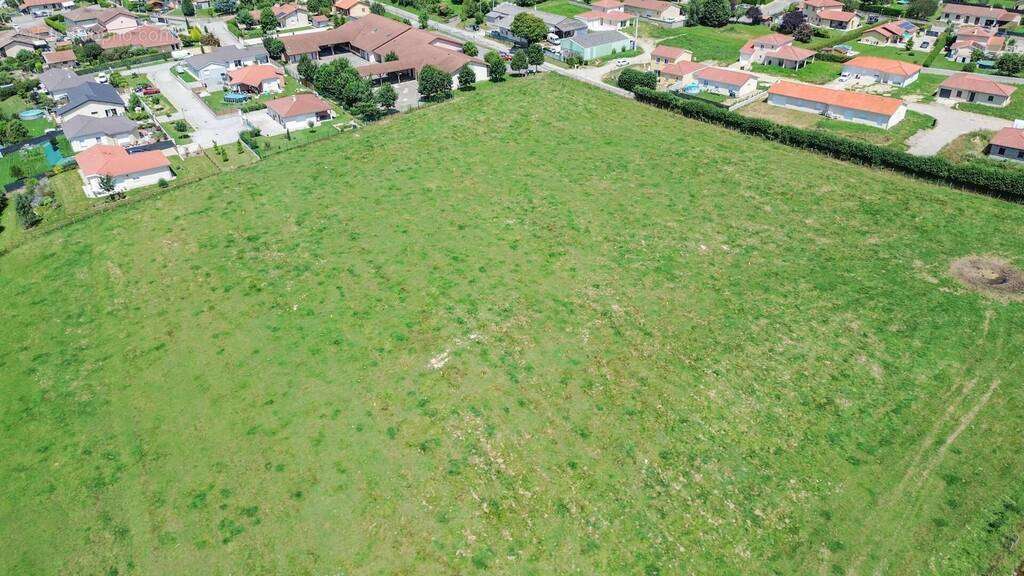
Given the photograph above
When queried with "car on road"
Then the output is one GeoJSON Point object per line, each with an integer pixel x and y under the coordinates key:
{"type": "Point", "coordinates": [621, 63]}
{"type": "Point", "coordinates": [102, 78]}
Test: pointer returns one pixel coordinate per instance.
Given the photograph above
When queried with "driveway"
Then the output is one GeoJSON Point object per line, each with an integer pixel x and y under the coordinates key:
{"type": "Point", "coordinates": [209, 128]}
{"type": "Point", "coordinates": [267, 125]}
{"type": "Point", "coordinates": [949, 124]}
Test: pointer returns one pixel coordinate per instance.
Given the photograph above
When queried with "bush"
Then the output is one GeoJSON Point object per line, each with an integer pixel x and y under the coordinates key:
{"type": "Point", "coordinates": [992, 180]}
{"type": "Point", "coordinates": [631, 78]}
{"type": "Point", "coordinates": [253, 105]}
{"type": "Point", "coordinates": [27, 216]}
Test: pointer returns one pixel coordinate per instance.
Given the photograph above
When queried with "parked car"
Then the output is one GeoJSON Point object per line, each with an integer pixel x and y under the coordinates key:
{"type": "Point", "coordinates": [554, 39]}
{"type": "Point", "coordinates": [621, 63]}
{"type": "Point", "coordinates": [102, 78]}
{"type": "Point", "coordinates": [507, 56]}
{"type": "Point", "coordinates": [150, 90]}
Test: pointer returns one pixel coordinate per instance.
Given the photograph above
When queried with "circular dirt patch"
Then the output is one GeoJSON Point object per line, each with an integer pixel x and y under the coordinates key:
{"type": "Point", "coordinates": [990, 275]}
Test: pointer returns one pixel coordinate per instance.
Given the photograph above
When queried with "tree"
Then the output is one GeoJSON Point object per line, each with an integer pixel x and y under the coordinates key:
{"type": "Point", "coordinates": [630, 78]}
{"type": "Point", "coordinates": [1010, 64]}
{"type": "Point", "coordinates": [225, 6]}
{"type": "Point", "coordinates": [368, 110]}
{"type": "Point", "coordinates": [377, 8]}
{"type": "Point", "coordinates": [274, 47]}
{"type": "Point", "coordinates": [318, 6]}
{"type": "Point", "coordinates": [470, 49]}
{"type": "Point", "coordinates": [467, 79]}
{"type": "Point", "coordinates": [15, 131]}
{"type": "Point", "coordinates": [977, 55]}
{"type": "Point", "coordinates": [755, 14]}
{"type": "Point", "coordinates": [424, 20]}
{"type": "Point", "coordinates": [715, 13]}
{"type": "Point", "coordinates": [188, 8]}
{"type": "Point", "coordinates": [434, 85]}
{"type": "Point", "coordinates": [791, 21]}
{"type": "Point", "coordinates": [529, 27]}
{"type": "Point", "coordinates": [470, 8]}
{"type": "Point", "coordinates": [27, 216]}
{"type": "Point", "coordinates": [16, 172]}
{"type": "Point", "coordinates": [921, 9]}
{"type": "Point", "coordinates": [803, 33]}
{"type": "Point", "coordinates": [386, 96]}
{"type": "Point", "coordinates": [909, 44]}
{"type": "Point", "coordinates": [89, 51]}
{"type": "Point", "coordinates": [851, 5]}
{"type": "Point", "coordinates": [307, 69]}
{"type": "Point", "coordinates": [268, 22]}
{"type": "Point", "coordinates": [519, 61]}
{"type": "Point", "coordinates": [244, 19]}
{"type": "Point", "coordinates": [693, 10]}
{"type": "Point", "coordinates": [107, 184]}
{"type": "Point", "coordinates": [495, 67]}
{"type": "Point", "coordinates": [535, 54]}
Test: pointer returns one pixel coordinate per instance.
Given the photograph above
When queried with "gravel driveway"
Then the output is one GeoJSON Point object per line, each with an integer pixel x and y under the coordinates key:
{"type": "Point", "coordinates": [949, 124]}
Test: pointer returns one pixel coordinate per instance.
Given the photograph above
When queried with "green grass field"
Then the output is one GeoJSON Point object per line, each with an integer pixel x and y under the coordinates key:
{"type": "Point", "coordinates": [719, 44]}
{"type": "Point", "coordinates": [898, 53]}
{"type": "Point", "coordinates": [895, 137]}
{"type": "Point", "coordinates": [561, 7]}
{"type": "Point", "coordinates": [921, 90]}
{"type": "Point", "coordinates": [817, 72]}
{"type": "Point", "coordinates": [1013, 110]}
{"type": "Point", "coordinates": [433, 346]}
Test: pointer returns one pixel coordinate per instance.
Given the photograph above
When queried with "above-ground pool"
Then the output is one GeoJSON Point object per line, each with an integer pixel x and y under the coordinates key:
{"type": "Point", "coordinates": [31, 114]}
{"type": "Point", "coordinates": [691, 88]}
{"type": "Point", "coordinates": [235, 97]}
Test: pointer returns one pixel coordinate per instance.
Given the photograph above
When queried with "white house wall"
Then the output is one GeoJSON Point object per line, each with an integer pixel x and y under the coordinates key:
{"type": "Point", "coordinates": [93, 189]}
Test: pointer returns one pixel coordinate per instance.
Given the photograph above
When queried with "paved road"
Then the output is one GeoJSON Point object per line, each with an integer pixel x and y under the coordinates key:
{"type": "Point", "coordinates": [209, 128]}
{"type": "Point", "coordinates": [949, 124]}
{"type": "Point", "coordinates": [219, 28]}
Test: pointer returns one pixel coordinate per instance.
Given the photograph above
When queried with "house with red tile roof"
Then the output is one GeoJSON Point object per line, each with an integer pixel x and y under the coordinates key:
{"type": "Point", "coordinates": [59, 59]}
{"type": "Point", "coordinates": [836, 20]}
{"type": "Point", "coordinates": [895, 33]}
{"type": "Point", "coordinates": [663, 55]}
{"type": "Point", "coordinates": [288, 15]}
{"type": "Point", "coordinates": [153, 37]}
{"type": "Point", "coordinates": [256, 79]}
{"type": "Point", "coordinates": [657, 10]}
{"type": "Point", "coordinates": [300, 111]}
{"type": "Point", "coordinates": [883, 70]}
{"type": "Point", "coordinates": [974, 88]}
{"type": "Point", "coordinates": [679, 73]}
{"type": "Point", "coordinates": [128, 171]}
{"type": "Point", "coordinates": [774, 50]}
{"type": "Point", "coordinates": [725, 81]}
{"type": "Point", "coordinates": [352, 8]}
{"type": "Point", "coordinates": [958, 14]}
{"type": "Point", "coordinates": [880, 111]}
{"type": "Point", "coordinates": [44, 7]}
{"type": "Point", "coordinates": [971, 38]}
{"type": "Point", "coordinates": [603, 19]}
{"type": "Point", "coordinates": [1007, 144]}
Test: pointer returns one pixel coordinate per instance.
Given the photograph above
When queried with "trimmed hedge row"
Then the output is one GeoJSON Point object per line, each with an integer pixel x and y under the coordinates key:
{"type": "Point", "coordinates": [124, 63]}
{"type": "Point", "coordinates": [883, 10]}
{"type": "Point", "coordinates": [992, 180]}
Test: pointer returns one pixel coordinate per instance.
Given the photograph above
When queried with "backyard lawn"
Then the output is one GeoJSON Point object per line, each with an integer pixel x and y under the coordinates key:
{"type": "Point", "coordinates": [438, 346]}
{"type": "Point", "coordinates": [561, 7]}
{"type": "Point", "coordinates": [37, 127]}
{"type": "Point", "coordinates": [215, 100]}
{"type": "Point", "coordinates": [896, 53]}
{"type": "Point", "coordinates": [817, 72]}
{"type": "Point", "coordinates": [921, 90]}
{"type": "Point", "coordinates": [894, 137]}
{"type": "Point", "coordinates": [719, 44]}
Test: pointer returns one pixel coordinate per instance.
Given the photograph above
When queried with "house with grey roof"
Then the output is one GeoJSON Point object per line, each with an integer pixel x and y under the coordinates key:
{"type": "Point", "coordinates": [597, 44]}
{"type": "Point", "coordinates": [57, 81]}
{"type": "Point", "coordinates": [212, 68]}
{"type": "Point", "coordinates": [501, 16]}
{"type": "Point", "coordinates": [91, 99]}
{"type": "Point", "coordinates": [85, 131]}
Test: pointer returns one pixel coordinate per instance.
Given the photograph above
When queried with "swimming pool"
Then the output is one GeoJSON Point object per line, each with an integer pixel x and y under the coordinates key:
{"type": "Point", "coordinates": [31, 114]}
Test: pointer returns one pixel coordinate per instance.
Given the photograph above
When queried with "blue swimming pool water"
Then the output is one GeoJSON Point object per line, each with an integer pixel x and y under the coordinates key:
{"type": "Point", "coordinates": [235, 97]}
{"type": "Point", "coordinates": [53, 155]}
{"type": "Point", "coordinates": [31, 114]}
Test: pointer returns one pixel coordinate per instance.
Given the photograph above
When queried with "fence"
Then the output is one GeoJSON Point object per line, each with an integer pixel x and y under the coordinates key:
{"type": "Point", "coordinates": [125, 63]}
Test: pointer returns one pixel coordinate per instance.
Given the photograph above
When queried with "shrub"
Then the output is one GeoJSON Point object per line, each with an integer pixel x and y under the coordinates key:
{"type": "Point", "coordinates": [631, 78]}
{"type": "Point", "coordinates": [253, 105]}
{"type": "Point", "coordinates": [993, 180]}
{"type": "Point", "coordinates": [27, 216]}
{"type": "Point", "coordinates": [162, 183]}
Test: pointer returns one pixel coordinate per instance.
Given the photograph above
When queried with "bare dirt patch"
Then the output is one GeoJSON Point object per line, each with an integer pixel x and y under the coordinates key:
{"type": "Point", "coordinates": [989, 275]}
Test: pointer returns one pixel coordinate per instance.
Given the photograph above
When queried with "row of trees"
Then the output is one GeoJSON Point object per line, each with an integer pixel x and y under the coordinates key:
{"type": "Point", "coordinates": [340, 82]}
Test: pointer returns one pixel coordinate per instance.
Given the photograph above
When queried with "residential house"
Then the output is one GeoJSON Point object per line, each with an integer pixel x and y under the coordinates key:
{"type": "Point", "coordinates": [88, 20]}
{"type": "Point", "coordinates": [40, 29]}
{"type": "Point", "coordinates": [127, 171]}
{"type": "Point", "coordinates": [987, 16]}
{"type": "Point", "coordinates": [501, 16]}
{"type": "Point", "coordinates": [597, 44]}
{"type": "Point", "coordinates": [320, 21]}
{"type": "Point", "coordinates": [602, 20]}
{"type": "Point", "coordinates": [84, 132]}
{"type": "Point", "coordinates": [12, 42]}
{"type": "Point", "coordinates": [895, 33]}
{"type": "Point", "coordinates": [663, 55]}
{"type": "Point", "coordinates": [973, 88]}
{"type": "Point", "coordinates": [288, 15]}
{"type": "Point", "coordinates": [57, 81]}
{"type": "Point", "coordinates": [59, 59]}
{"type": "Point", "coordinates": [374, 38]}
{"type": "Point", "coordinates": [300, 111]}
{"type": "Point", "coordinates": [811, 8]}
{"type": "Point", "coordinates": [256, 79]}
{"type": "Point", "coordinates": [657, 10]}
{"type": "Point", "coordinates": [352, 8]}
{"type": "Point", "coordinates": [153, 37]}
{"type": "Point", "coordinates": [91, 99]}
{"type": "Point", "coordinates": [679, 74]}
{"type": "Point", "coordinates": [44, 7]}
{"type": "Point", "coordinates": [774, 50]}
{"type": "Point", "coordinates": [726, 82]}
{"type": "Point", "coordinates": [1007, 144]}
{"type": "Point", "coordinates": [975, 38]}
{"type": "Point", "coordinates": [870, 109]}
{"type": "Point", "coordinates": [837, 20]}
{"type": "Point", "coordinates": [212, 68]}
{"type": "Point", "coordinates": [883, 70]}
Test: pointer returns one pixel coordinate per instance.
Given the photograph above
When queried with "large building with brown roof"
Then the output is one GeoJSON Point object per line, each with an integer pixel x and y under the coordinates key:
{"type": "Point", "coordinates": [973, 88]}
{"type": "Point", "coordinates": [880, 111]}
{"type": "Point", "coordinates": [959, 14]}
{"type": "Point", "coordinates": [373, 38]}
{"type": "Point", "coordinates": [153, 37]}
{"type": "Point", "coordinates": [883, 70]}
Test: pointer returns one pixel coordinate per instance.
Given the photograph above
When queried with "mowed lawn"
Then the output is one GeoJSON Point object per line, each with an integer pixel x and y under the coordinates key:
{"type": "Point", "coordinates": [688, 351]}
{"type": "Point", "coordinates": [561, 7]}
{"type": "Point", "coordinates": [719, 44]}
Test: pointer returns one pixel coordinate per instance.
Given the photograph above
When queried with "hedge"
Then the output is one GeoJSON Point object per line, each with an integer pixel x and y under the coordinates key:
{"type": "Point", "coordinates": [883, 10]}
{"type": "Point", "coordinates": [124, 63]}
{"type": "Point", "coordinates": [992, 180]}
{"type": "Point", "coordinates": [938, 48]}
